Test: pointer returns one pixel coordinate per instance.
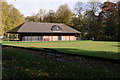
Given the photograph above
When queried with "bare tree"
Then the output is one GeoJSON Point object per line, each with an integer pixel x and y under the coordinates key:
{"type": "Point", "coordinates": [41, 14]}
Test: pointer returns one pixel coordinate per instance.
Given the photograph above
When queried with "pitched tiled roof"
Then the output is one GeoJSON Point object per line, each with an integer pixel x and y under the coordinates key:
{"type": "Point", "coordinates": [35, 27]}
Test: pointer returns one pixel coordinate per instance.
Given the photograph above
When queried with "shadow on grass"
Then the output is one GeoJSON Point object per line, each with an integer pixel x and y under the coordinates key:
{"type": "Point", "coordinates": [116, 45]}
{"type": "Point", "coordinates": [85, 53]}
{"type": "Point", "coordinates": [79, 52]}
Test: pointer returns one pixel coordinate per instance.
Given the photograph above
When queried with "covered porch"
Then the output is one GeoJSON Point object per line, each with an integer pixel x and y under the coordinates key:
{"type": "Point", "coordinates": [28, 37]}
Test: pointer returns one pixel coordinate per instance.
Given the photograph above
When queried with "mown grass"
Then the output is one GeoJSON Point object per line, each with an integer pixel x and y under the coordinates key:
{"type": "Point", "coordinates": [105, 49]}
{"type": "Point", "coordinates": [21, 64]}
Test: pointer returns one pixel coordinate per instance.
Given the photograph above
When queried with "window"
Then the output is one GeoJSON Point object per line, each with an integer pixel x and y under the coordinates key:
{"type": "Point", "coordinates": [41, 37]}
{"type": "Point", "coordinates": [56, 28]}
{"type": "Point", "coordinates": [59, 36]}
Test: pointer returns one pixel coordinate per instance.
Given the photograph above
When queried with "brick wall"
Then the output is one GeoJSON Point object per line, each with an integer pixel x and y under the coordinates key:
{"type": "Point", "coordinates": [54, 37]}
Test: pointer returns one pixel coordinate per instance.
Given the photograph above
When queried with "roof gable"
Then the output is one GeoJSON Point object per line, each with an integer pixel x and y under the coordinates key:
{"type": "Point", "coordinates": [56, 28]}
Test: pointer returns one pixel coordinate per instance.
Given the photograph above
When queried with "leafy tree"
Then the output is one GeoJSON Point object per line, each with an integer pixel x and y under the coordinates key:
{"type": "Point", "coordinates": [0, 18]}
{"type": "Point", "coordinates": [118, 4]}
{"type": "Point", "coordinates": [86, 20]}
{"type": "Point", "coordinates": [109, 21]}
{"type": "Point", "coordinates": [63, 14]}
{"type": "Point", "coordinates": [50, 17]}
{"type": "Point", "coordinates": [39, 17]}
{"type": "Point", "coordinates": [29, 19]}
{"type": "Point", "coordinates": [11, 17]}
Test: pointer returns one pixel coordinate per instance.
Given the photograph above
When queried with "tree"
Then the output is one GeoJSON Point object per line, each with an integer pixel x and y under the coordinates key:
{"type": "Point", "coordinates": [50, 17]}
{"type": "Point", "coordinates": [86, 20]}
{"type": "Point", "coordinates": [29, 19]}
{"type": "Point", "coordinates": [92, 26]}
{"type": "Point", "coordinates": [94, 6]}
{"type": "Point", "coordinates": [109, 20]}
{"type": "Point", "coordinates": [63, 14]}
{"type": "Point", "coordinates": [41, 15]}
{"type": "Point", "coordinates": [118, 4]}
{"type": "Point", "coordinates": [33, 18]}
{"type": "Point", "coordinates": [0, 18]}
{"type": "Point", "coordinates": [11, 17]}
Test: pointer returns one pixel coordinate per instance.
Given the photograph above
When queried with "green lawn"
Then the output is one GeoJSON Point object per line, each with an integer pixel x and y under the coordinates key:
{"type": "Point", "coordinates": [21, 64]}
{"type": "Point", "coordinates": [105, 49]}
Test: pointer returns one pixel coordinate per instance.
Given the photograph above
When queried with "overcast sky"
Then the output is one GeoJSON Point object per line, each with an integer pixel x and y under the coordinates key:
{"type": "Point", "coordinates": [28, 7]}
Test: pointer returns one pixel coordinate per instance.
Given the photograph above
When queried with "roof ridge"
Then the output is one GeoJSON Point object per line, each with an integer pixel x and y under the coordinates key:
{"type": "Point", "coordinates": [44, 22]}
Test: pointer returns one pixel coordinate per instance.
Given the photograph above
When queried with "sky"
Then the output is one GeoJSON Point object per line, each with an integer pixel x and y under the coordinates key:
{"type": "Point", "coordinates": [29, 7]}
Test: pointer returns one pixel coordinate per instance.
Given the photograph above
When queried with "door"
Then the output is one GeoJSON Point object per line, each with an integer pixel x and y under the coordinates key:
{"type": "Point", "coordinates": [59, 37]}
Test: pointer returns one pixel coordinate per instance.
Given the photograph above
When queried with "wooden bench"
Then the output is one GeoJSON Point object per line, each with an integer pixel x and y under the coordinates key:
{"type": "Point", "coordinates": [53, 52]}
